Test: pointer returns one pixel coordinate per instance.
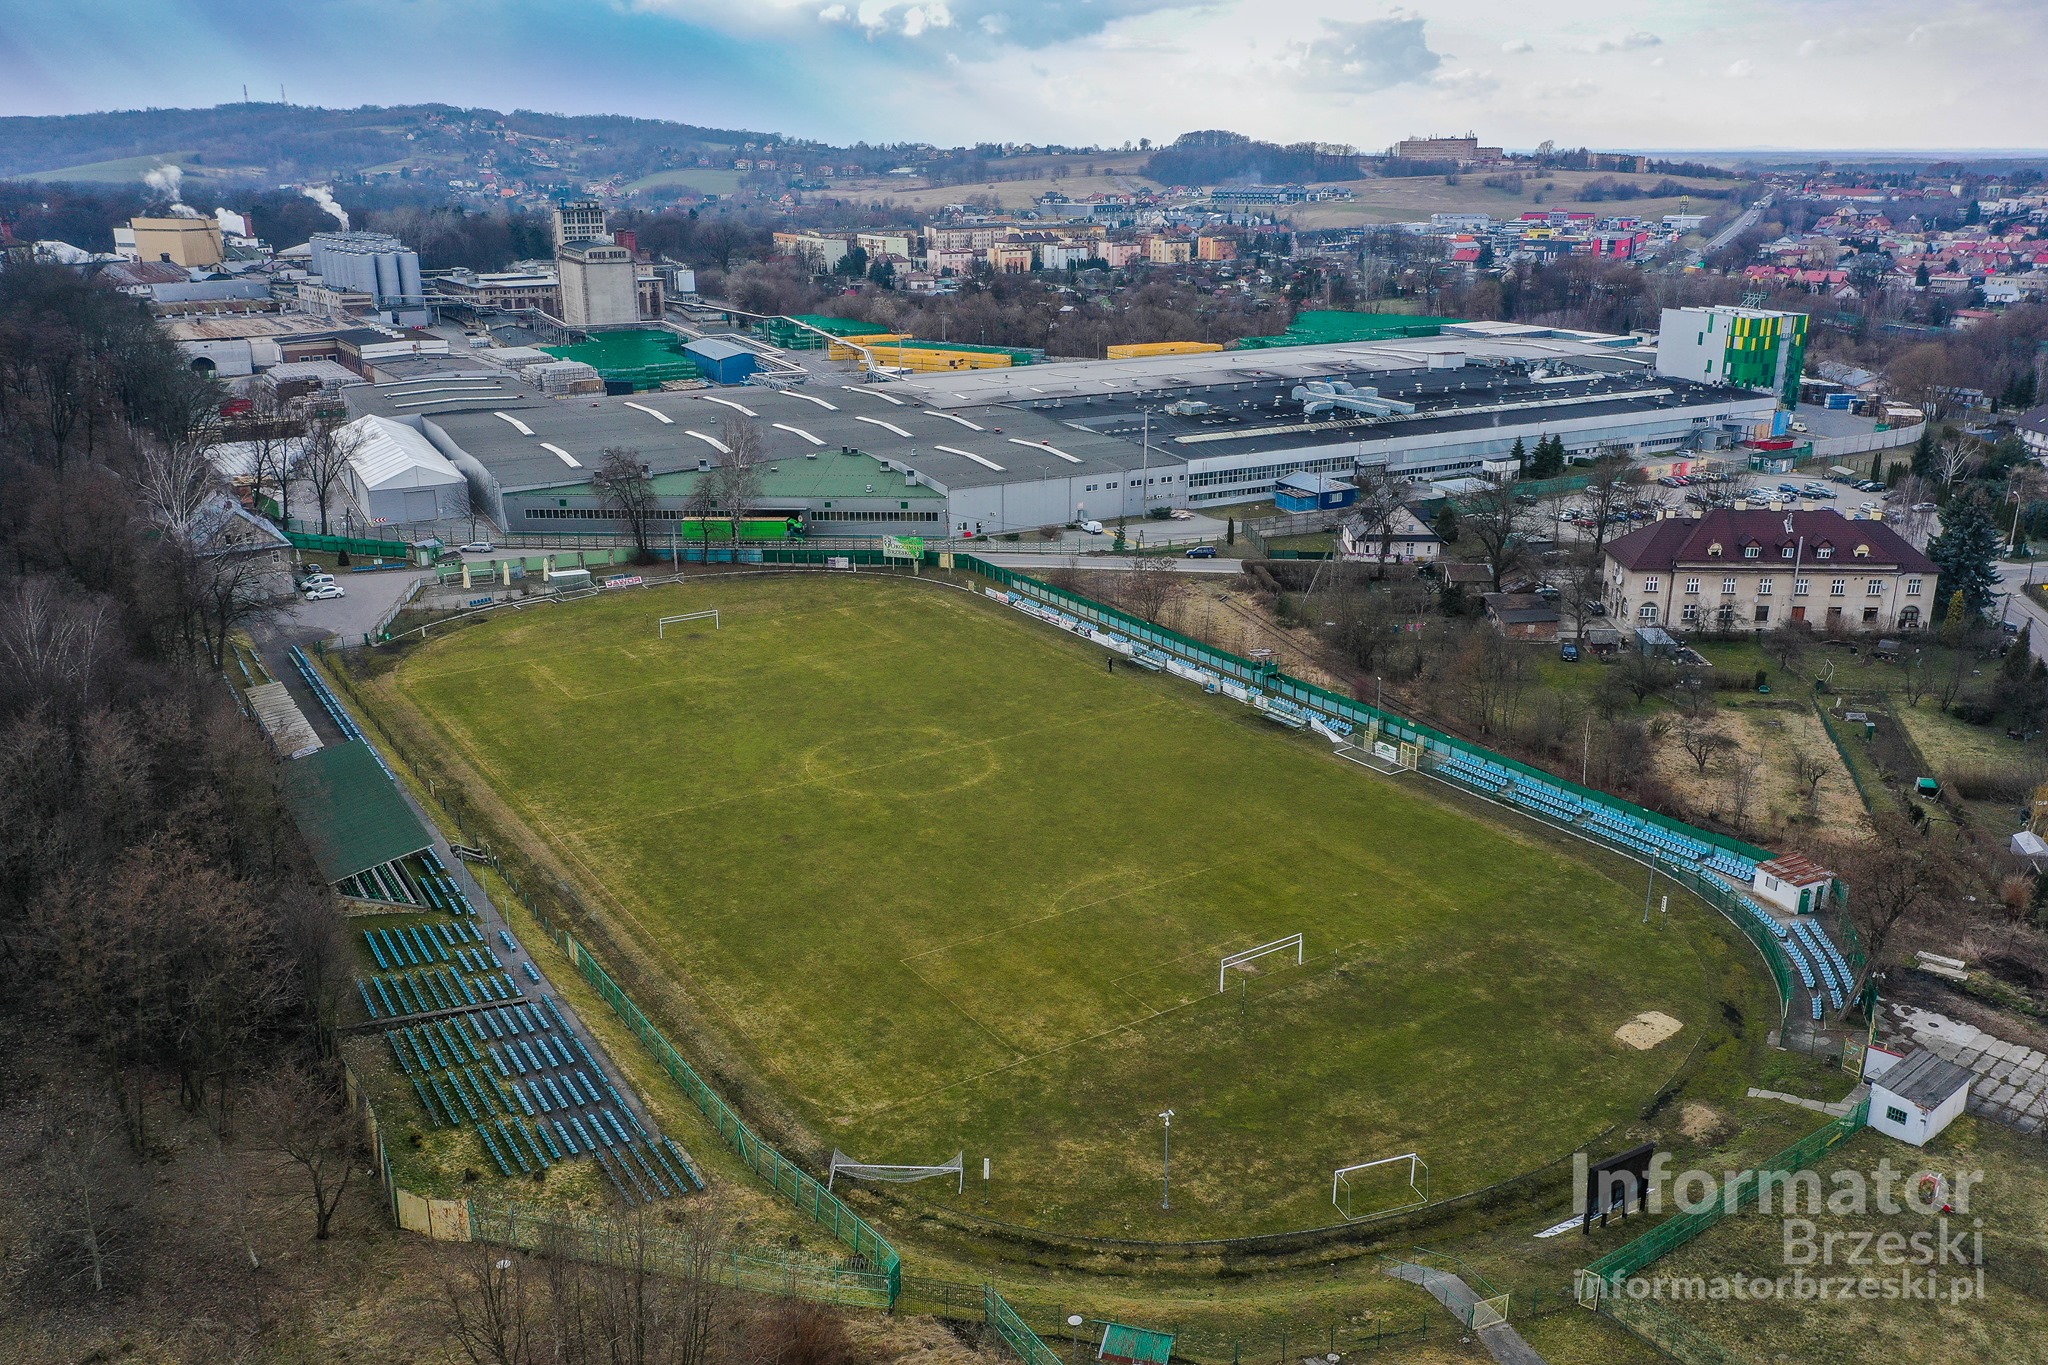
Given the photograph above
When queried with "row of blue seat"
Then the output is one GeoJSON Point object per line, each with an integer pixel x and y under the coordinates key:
{"type": "Point", "coordinates": [544, 1076]}
{"type": "Point", "coordinates": [433, 989]}
{"type": "Point", "coordinates": [1642, 835]}
{"type": "Point", "coordinates": [1834, 971]}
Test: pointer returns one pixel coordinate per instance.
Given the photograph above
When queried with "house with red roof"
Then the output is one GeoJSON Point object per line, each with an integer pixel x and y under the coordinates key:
{"type": "Point", "coordinates": [1733, 570]}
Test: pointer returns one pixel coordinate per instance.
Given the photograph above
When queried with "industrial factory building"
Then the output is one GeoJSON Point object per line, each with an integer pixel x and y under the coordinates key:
{"type": "Point", "coordinates": [376, 264]}
{"type": "Point", "coordinates": [994, 451]}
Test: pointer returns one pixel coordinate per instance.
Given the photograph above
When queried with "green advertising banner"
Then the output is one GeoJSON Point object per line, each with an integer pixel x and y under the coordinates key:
{"type": "Point", "coordinates": [903, 547]}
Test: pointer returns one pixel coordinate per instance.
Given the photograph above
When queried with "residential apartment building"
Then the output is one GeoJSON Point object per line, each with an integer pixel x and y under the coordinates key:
{"type": "Point", "coordinates": [1752, 571]}
{"type": "Point", "coordinates": [820, 250]}
{"type": "Point", "coordinates": [1011, 258]}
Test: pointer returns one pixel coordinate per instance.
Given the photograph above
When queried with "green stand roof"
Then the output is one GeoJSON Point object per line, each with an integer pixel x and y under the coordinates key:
{"type": "Point", "coordinates": [352, 815]}
{"type": "Point", "coordinates": [1129, 1345]}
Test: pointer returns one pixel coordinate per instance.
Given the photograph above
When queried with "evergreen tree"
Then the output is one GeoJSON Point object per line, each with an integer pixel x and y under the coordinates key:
{"type": "Point", "coordinates": [1520, 456]}
{"type": "Point", "coordinates": [1966, 551]}
{"type": "Point", "coordinates": [1923, 453]}
{"type": "Point", "coordinates": [2012, 672]}
{"type": "Point", "coordinates": [1446, 526]}
{"type": "Point", "coordinates": [1955, 621]}
{"type": "Point", "coordinates": [1548, 461]}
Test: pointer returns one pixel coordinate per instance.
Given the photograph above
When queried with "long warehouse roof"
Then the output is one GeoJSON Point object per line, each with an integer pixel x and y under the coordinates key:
{"type": "Point", "coordinates": [548, 443]}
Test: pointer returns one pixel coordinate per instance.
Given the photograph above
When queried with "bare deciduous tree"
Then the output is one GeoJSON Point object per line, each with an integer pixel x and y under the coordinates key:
{"type": "Point", "coordinates": [1809, 770]}
{"type": "Point", "coordinates": [1150, 586]}
{"type": "Point", "coordinates": [490, 1308]}
{"type": "Point", "coordinates": [304, 1117]}
{"type": "Point", "coordinates": [1494, 519]}
{"type": "Point", "coordinates": [625, 489]}
{"type": "Point", "coordinates": [1378, 511]}
{"type": "Point", "coordinates": [91, 1184]}
{"type": "Point", "coordinates": [1702, 742]}
{"type": "Point", "coordinates": [1742, 785]}
{"type": "Point", "coordinates": [1897, 878]}
{"type": "Point", "coordinates": [330, 448]}
{"type": "Point", "coordinates": [735, 482]}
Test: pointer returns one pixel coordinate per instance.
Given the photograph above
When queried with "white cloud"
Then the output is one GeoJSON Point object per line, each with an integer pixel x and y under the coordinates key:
{"type": "Point", "coordinates": [1465, 81]}
{"type": "Point", "coordinates": [832, 14]}
{"type": "Point", "coordinates": [1626, 42]}
{"type": "Point", "coordinates": [1376, 54]}
{"type": "Point", "coordinates": [1809, 47]}
{"type": "Point", "coordinates": [1741, 69]}
{"type": "Point", "coordinates": [1518, 45]}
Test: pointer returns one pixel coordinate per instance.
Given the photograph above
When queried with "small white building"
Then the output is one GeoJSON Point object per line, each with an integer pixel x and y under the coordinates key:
{"type": "Point", "coordinates": [1915, 1098]}
{"type": "Point", "coordinates": [1408, 540]}
{"type": "Point", "coordinates": [1796, 885]}
{"type": "Point", "coordinates": [396, 475]}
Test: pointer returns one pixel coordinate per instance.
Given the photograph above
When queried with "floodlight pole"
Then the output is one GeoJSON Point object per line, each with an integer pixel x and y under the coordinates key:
{"type": "Point", "coordinates": [1166, 1164]}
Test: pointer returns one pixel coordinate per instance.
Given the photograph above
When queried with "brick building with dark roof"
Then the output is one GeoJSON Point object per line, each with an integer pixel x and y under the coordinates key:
{"type": "Point", "coordinates": [1756, 570]}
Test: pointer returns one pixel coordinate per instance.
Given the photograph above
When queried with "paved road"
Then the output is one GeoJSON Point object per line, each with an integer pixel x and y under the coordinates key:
{"type": "Point", "coordinates": [1179, 563]}
{"type": "Point", "coordinates": [2021, 608]}
{"type": "Point", "coordinates": [1743, 223]}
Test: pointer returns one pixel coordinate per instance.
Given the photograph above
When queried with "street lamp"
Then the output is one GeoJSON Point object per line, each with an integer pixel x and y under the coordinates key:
{"type": "Point", "coordinates": [1166, 1164]}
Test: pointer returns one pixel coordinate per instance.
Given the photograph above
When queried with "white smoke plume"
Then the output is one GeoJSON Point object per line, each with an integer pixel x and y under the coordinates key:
{"type": "Point", "coordinates": [324, 197]}
{"type": "Point", "coordinates": [169, 181]}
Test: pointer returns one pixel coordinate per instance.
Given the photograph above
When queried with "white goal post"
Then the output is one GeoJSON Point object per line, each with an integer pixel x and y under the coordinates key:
{"type": "Point", "coordinates": [1418, 1185]}
{"type": "Point", "coordinates": [842, 1164]}
{"type": "Point", "coordinates": [661, 626]}
{"type": "Point", "coordinates": [1278, 945]}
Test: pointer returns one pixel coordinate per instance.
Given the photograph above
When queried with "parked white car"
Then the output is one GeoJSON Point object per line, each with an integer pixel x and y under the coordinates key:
{"type": "Point", "coordinates": [322, 592]}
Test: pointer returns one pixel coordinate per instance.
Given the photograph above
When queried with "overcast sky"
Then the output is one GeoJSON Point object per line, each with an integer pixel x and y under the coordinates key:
{"type": "Point", "coordinates": [1655, 74]}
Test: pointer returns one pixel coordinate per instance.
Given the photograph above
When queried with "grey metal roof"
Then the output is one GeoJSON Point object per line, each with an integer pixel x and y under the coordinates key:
{"type": "Point", "coordinates": [715, 348]}
{"type": "Point", "coordinates": [967, 448]}
{"type": "Point", "coordinates": [1925, 1080]}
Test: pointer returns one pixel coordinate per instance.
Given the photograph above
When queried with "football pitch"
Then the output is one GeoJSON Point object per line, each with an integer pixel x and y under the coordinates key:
{"type": "Point", "coordinates": [936, 879]}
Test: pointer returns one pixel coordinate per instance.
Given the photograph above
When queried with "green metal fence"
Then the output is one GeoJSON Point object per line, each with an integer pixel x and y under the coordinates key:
{"type": "Point", "coordinates": [376, 549]}
{"type": "Point", "coordinates": [669, 1251]}
{"type": "Point", "coordinates": [823, 1206]}
{"type": "Point", "coordinates": [1606, 1276]}
{"type": "Point", "coordinates": [1011, 1331]}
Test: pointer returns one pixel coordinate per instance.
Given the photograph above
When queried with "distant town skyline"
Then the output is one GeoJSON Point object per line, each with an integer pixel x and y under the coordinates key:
{"type": "Point", "coordinates": [1696, 74]}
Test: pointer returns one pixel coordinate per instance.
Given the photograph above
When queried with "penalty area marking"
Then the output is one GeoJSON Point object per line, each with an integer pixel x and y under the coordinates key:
{"type": "Point", "coordinates": [661, 626]}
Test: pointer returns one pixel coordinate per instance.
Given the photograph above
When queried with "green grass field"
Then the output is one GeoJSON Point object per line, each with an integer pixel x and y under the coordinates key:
{"type": "Point", "coordinates": [1993, 1321]}
{"type": "Point", "coordinates": [939, 881]}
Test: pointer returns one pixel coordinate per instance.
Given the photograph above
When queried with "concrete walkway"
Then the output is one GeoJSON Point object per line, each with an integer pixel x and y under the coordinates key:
{"type": "Point", "coordinates": [1502, 1342]}
{"type": "Point", "coordinates": [1835, 1110]}
{"type": "Point", "coordinates": [2012, 1078]}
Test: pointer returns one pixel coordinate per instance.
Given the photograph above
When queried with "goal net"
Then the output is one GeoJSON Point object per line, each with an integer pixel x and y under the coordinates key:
{"type": "Point", "coordinates": [842, 1164]}
{"type": "Point", "coordinates": [1380, 755]}
{"type": "Point", "coordinates": [662, 624]}
{"type": "Point", "coordinates": [1251, 955]}
{"type": "Point", "coordinates": [1383, 1186]}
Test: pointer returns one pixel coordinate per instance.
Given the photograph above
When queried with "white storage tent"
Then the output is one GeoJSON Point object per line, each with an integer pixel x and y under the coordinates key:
{"type": "Point", "coordinates": [396, 475]}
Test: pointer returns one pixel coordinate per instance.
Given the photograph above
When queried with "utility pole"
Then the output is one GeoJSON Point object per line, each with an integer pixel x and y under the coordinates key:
{"type": "Point", "coordinates": [1166, 1164]}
